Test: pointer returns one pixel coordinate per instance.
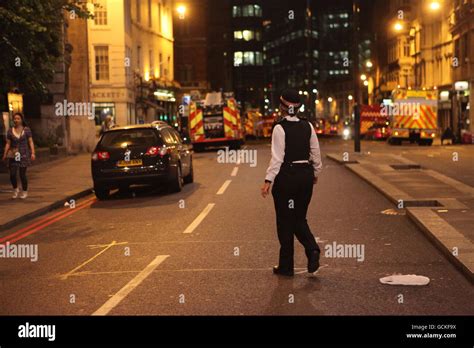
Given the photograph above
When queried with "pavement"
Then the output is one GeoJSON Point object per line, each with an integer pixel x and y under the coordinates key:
{"type": "Point", "coordinates": [50, 185]}
{"type": "Point", "coordinates": [441, 206]}
{"type": "Point", "coordinates": [209, 250]}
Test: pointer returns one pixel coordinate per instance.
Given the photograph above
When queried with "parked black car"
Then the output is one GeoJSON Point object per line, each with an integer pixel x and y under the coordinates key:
{"type": "Point", "coordinates": [150, 154]}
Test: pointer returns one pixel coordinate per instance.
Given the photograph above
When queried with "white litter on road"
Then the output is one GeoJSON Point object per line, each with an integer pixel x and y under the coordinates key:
{"type": "Point", "coordinates": [409, 279]}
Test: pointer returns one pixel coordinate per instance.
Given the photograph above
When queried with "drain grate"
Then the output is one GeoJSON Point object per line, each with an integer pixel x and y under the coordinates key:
{"type": "Point", "coordinates": [422, 203]}
{"type": "Point", "coordinates": [405, 166]}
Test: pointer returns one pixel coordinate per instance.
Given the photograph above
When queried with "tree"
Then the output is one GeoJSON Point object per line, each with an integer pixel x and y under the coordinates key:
{"type": "Point", "coordinates": [31, 41]}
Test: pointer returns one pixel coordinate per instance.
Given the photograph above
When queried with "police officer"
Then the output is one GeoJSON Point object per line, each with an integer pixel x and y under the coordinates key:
{"type": "Point", "coordinates": [293, 170]}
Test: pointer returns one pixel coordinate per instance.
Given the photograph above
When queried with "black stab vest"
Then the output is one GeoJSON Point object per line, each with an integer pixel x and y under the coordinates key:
{"type": "Point", "coordinates": [297, 140]}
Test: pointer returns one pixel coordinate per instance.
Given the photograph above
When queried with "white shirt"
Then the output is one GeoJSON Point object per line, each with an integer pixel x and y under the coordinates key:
{"type": "Point", "coordinates": [278, 150]}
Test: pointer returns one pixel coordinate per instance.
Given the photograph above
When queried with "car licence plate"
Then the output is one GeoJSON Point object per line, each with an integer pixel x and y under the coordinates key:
{"type": "Point", "coordinates": [131, 163]}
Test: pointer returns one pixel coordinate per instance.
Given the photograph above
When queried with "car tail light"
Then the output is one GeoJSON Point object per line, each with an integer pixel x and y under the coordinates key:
{"type": "Point", "coordinates": [100, 156]}
{"type": "Point", "coordinates": [157, 151]}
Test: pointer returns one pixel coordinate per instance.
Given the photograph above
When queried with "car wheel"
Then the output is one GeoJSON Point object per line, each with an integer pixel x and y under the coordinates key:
{"type": "Point", "coordinates": [177, 181]}
{"type": "Point", "coordinates": [190, 178]}
{"type": "Point", "coordinates": [101, 193]}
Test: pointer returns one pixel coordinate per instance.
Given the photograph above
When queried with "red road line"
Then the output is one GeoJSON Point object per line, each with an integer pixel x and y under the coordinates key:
{"type": "Point", "coordinates": [44, 221]}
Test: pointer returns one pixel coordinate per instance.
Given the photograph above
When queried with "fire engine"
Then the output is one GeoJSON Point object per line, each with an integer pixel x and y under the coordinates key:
{"type": "Point", "coordinates": [413, 116]}
{"type": "Point", "coordinates": [216, 121]}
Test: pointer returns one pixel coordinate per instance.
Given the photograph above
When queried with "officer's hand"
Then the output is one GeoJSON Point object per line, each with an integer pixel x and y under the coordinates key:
{"type": "Point", "coordinates": [265, 189]}
{"type": "Point", "coordinates": [315, 180]}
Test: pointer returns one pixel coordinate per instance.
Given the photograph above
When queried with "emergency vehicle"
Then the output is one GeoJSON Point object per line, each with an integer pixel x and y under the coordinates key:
{"type": "Point", "coordinates": [413, 116]}
{"type": "Point", "coordinates": [370, 116]}
{"type": "Point", "coordinates": [216, 121]}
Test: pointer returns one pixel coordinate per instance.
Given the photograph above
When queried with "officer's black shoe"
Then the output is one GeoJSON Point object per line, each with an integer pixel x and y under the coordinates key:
{"type": "Point", "coordinates": [313, 261]}
{"type": "Point", "coordinates": [277, 270]}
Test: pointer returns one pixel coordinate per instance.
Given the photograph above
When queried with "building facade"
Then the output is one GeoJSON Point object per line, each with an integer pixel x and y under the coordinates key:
{"type": "Point", "coordinates": [131, 61]}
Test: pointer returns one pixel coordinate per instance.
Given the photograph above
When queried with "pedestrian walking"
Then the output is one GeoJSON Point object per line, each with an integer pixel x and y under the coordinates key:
{"type": "Point", "coordinates": [107, 124]}
{"type": "Point", "coordinates": [19, 152]}
{"type": "Point", "coordinates": [293, 170]}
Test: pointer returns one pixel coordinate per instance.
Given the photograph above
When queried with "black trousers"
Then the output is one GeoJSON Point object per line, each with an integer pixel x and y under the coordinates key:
{"type": "Point", "coordinates": [292, 192]}
{"type": "Point", "coordinates": [13, 177]}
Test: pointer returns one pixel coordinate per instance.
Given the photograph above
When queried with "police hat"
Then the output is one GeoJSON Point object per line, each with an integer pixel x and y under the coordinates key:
{"type": "Point", "coordinates": [291, 101]}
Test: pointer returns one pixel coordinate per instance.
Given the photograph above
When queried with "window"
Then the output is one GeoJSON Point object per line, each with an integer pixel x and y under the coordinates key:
{"type": "Point", "coordinates": [236, 11]}
{"type": "Point", "coordinates": [139, 58]}
{"type": "Point", "coordinates": [131, 137]}
{"type": "Point", "coordinates": [127, 16]}
{"type": "Point", "coordinates": [238, 58]}
{"type": "Point", "coordinates": [102, 110]}
{"type": "Point", "coordinates": [138, 9]}
{"type": "Point", "coordinates": [168, 136]}
{"type": "Point", "coordinates": [128, 59]}
{"type": "Point", "coordinates": [159, 17]}
{"type": "Point", "coordinates": [247, 35]}
{"type": "Point", "coordinates": [248, 58]}
{"type": "Point", "coordinates": [100, 12]}
{"type": "Point", "coordinates": [247, 11]}
{"type": "Point", "coordinates": [161, 64]}
{"type": "Point", "coordinates": [176, 136]}
{"type": "Point", "coordinates": [150, 16]}
{"type": "Point", "coordinates": [101, 63]}
{"type": "Point", "coordinates": [151, 60]}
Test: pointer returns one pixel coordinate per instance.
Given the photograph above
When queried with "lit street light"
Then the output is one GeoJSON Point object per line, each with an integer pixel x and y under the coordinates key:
{"type": "Point", "coordinates": [363, 77]}
{"type": "Point", "coordinates": [398, 26]}
{"type": "Point", "coordinates": [181, 9]}
{"type": "Point", "coordinates": [330, 99]}
{"type": "Point", "coordinates": [435, 5]}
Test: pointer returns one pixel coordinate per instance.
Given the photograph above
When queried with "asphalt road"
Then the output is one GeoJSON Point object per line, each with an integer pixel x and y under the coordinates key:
{"type": "Point", "coordinates": [129, 255]}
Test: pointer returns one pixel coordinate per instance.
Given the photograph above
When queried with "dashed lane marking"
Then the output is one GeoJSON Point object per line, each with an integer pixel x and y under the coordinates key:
{"type": "Point", "coordinates": [131, 285]}
{"type": "Point", "coordinates": [199, 219]}
{"type": "Point", "coordinates": [235, 171]}
{"type": "Point", "coordinates": [224, 187]}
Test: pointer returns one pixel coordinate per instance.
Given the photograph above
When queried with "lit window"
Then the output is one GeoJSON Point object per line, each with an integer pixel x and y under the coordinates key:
{"type": "Point", "coordinates": [101, 63]}
{"type": "Point", "coordinates": [236, 11]}
{"type": "Point", "coordinates": [238, 58]}
{"type": "Point", "coordinates": [248, 35]}
{"type": "Point", "coordinates": [100, 12]}
{"type": "Point", "coordinates": [259, 60]}
{"type": "Point", "coordinates": [237, 35]}
{"type": "Point", "coordinates": [249, 58]}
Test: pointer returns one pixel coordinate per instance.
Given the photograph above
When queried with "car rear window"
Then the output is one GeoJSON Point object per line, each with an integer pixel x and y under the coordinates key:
{"type": "Point", "coordinates": [130, 137]}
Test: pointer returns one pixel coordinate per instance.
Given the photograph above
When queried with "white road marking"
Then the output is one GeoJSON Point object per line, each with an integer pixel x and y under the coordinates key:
{"type": "Point", "coordinates": [224, 187]}
{"type": "Point", "coordinates": [235, 171]}
{"type": "Point", "coordinates": [131, 285]}
{"type": "Point", "coordinates": [199, 219]}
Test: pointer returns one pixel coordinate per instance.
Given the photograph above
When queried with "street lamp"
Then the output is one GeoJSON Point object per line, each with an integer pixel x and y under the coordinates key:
{"type": "Point", "coordinates": [181, 9]}
{"type": "Point", "coordinates": [398, 26]}
{"type": "Point", "coordinates": [369, 64]}
{"type": "Point", "coordinates": [350, 97]}
{"type": "Point", "coordinates": [330, 99]}
{"type": "Point", "coordinates": [363, 77]}
{"type": "Point", "coordinates": [435, 5]}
